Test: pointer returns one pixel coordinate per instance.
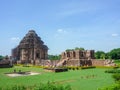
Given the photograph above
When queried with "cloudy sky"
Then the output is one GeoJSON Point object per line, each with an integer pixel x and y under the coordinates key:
{"type": "Point", "coordinates": [61, 24]}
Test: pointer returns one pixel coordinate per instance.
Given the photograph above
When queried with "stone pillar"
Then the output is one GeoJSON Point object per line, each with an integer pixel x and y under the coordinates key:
{"type": "Point", "coordinates": [77, 52]}
{"type": "Point", "coordinates": [46, 54]}
{"type": "Point", "coordinates": [63, 55]}
{"type": "Point", "coordinates": [34, 55]}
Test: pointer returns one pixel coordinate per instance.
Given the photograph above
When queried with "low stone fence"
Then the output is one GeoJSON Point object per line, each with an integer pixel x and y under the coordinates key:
{"type": "Point", "coordinates": [73, 62]}
{"type": "Point", "coordinates": [98, 62]}
{"type": "Point", "coordinates": [5, 64]}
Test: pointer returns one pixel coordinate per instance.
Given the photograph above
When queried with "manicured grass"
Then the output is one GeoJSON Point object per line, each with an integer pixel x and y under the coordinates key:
{"type": "Point", "coordinates": [88, 79]}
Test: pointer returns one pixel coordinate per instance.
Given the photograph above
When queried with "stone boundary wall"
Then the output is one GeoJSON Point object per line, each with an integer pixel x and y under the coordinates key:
{"type": "Point", "coordinates": [96, 62]}
{"type": "Point", "coordinates": [49, 62]}
{"type": "Point", "coordinates": [73, 63]}
{"type": "Point", "coordinates": [5, 64]}
{"type": "Point", "coordinates": [78, 62]}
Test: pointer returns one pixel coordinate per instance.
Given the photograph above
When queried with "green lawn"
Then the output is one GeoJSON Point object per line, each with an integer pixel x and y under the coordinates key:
{"type": "Point", "coordinates": [88, 79]}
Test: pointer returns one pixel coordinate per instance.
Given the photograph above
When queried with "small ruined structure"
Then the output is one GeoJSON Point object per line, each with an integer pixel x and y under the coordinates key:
{"type": "Point", "coordinates": [82, 58]}
{"type": "Point", "coordinates": [78, 54]}
{"type": "Point", "coordinates": [5, 64]}
{"type": "Point", "coordinates": [31, 49]}
{"type": "Point", "coordinates": [77, 58]}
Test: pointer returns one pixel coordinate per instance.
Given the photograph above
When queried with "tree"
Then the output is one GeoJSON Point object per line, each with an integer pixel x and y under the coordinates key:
{"type": "Point", "coordinates": [115, 53]}
{"type": "Point", "coordinates": [1, 57]}
{"type": "Point", "coordinates": [67, 50]}
{"type": "Point", "coordinates": [54, 57]}
{"type": "Point", "coordinates": [100, 55]}
{"type": "Point", "coordinates": [77, 48]}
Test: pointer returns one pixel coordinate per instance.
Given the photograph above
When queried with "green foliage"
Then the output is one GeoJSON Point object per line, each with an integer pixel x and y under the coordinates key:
{"type": "Point", "coordinates": [112, 71]}
{"type": "Point", "coordinates": [77, 48]}
{"type": "Point", "coordinates": [54, 57]}
{"type": "Point", "coordinates": [116, 77]}
{"type": "Point", "coordinates": [100, 55]}
{"type": "Point", "coordinates": [48, 86]}
{"type": "Point", "coordinates": [67, 50]}
{"type": "Point", "coordinates": [1, 57]}
{"type": "Point", "coordinates": [115, 53]}
{"type": "Point", "coordinates": [88, 67]}
{"type": "Point", "coordinates": [112, 87]}
{"type": "Point", "coordinates": [77, 67]}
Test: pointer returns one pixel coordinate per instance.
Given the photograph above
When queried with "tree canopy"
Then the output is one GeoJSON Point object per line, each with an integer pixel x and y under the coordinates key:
{"type": "Point", "coordinates": [54, 57]}
{"type": "Point", "coordinates": [1, 57]}
{"type": "Point", "coordinates": [113, 54]}
{"type": "Point", "coordinates": [76, 48]}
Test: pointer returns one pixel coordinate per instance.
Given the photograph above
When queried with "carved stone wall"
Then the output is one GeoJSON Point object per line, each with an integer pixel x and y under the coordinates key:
{"type": "Point", "coordinates": [78, 54]}
{"type": "Point", "coordinates": [103, 62]}
{"type": "Point", "coordinates": [83, 58]}
{"type": "Point", "coordinates": [31, 49]}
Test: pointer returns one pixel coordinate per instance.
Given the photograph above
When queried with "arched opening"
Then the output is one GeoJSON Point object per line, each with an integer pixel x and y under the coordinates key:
{"type": "Point", "coordinates": [37, 55]}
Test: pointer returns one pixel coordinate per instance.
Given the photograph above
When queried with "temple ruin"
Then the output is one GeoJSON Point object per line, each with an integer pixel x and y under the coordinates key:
{"type": "Point", "coordinates": [82, 58]}
{"type": "Point", "coordinates": [77, 58]}
{"type": "Point", "coordinates": [31, 49]}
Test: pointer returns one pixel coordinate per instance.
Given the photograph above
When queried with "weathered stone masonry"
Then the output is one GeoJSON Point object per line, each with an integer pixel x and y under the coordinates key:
{"type": "Point", "coordinates": [31, 49]}
{"type": "Point", "coordinates": [82, 58]}
{"type": "Point", "coordinates": [78, 57]}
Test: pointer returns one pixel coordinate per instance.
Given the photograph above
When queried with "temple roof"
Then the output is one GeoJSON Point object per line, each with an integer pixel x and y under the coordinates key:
{"type": "Point", "coordinates": [32, 40]}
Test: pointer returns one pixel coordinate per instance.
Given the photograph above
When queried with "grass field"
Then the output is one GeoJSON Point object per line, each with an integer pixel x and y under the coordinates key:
{"type": "Point", "coordinates": [88, 79]}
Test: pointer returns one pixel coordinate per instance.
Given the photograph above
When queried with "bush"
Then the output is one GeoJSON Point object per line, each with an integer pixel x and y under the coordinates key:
{"type": "Point", "coordinates": [61, 69]}
{"type": "Point", "coordinates": [88, 67]}
{"type": "Point", "coordinates": [112, 71]}
{"type": "Point", "coordinates": [113, 87]}
{"type": "Point", "coordinates": [48, 86]}
{"type": "Point", "coordinates": [116, 77]}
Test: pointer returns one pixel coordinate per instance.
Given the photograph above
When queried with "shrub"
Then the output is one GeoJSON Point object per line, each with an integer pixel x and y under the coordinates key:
{"type": "Point", "coordinates": [112, 71]}
{"type": "Point", "coordinates": [61, 69]}
{"type": "Point", "coordinates": [88, 67]}
{"type": "Point", "coordinates": [116, 77]}
{"type": "Point", "coordinates": [113, 87]}
{"type": "Point", "coordinates": [48, 86]}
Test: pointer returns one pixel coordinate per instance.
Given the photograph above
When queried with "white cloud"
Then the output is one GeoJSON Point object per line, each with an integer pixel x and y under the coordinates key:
{"type": "Point", "coordinates": [115, 35]}
{"type": "Point", "coordinates": [15, 39]}
{"type": "Point", "coordinates": [61, 31]}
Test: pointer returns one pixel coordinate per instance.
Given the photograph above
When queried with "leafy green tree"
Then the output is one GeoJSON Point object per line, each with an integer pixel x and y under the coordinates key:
{"type": "Point", "coordinates": [54, 57]}
{"type": "Point", "coordinates": [67, 50]}
{"type": "Point", "coordinates": [77, 48]}
{"type": "Point", "coordinates": [1, 57]}
{"type": "Point", "coordinates": [115, 53]}
{"type": "Point", "coordinates": [100, 55]}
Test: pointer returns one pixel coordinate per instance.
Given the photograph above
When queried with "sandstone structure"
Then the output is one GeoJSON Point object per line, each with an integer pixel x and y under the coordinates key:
{"type": "Point", "coordinates": [82, 58]}
{"type": "Point", "coordinates": [77, 58]}
{"type": "Point", "coordinates": [31, 49]}
{"type": "Point", "coordinates": [78, 54]}
{"type": "Point", "coordinates": [5, 64]}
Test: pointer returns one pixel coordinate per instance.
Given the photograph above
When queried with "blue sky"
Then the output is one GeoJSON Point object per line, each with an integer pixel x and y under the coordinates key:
{"type": "Point", "coordinates": [61, 24]}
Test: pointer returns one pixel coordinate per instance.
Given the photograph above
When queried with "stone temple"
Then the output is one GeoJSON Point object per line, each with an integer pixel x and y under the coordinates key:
{"type": "Point", "coordinates": [31, 49]}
